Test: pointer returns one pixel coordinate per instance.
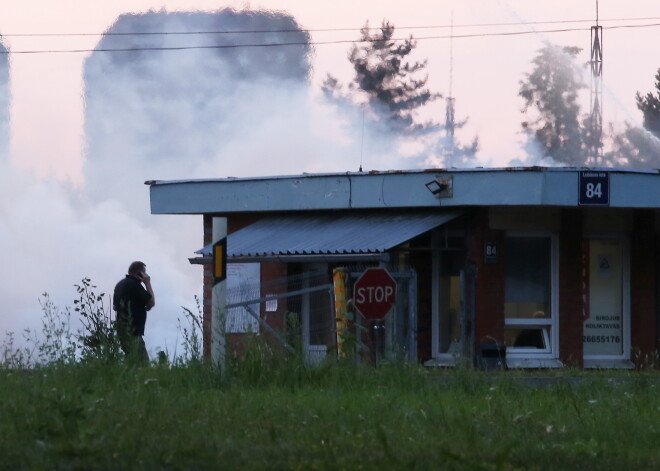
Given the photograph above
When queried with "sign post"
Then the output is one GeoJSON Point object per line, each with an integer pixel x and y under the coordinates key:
{"type": "Point", "coordinates": [219, 261]}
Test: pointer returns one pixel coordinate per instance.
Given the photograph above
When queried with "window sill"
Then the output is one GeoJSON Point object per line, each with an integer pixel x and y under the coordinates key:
{"type": "Point", "coordinates": [533, 363]}
{"type": "Point", "coordinates": [441, 362]}
{"type": "Point", "coordinates": [609, 364]}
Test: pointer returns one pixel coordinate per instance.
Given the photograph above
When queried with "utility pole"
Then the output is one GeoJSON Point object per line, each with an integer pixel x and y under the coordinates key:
{"type": "Point", "coordinates": [450, 120]}
{"type": "Point", "coordinates": [595, 142]}
{"type": "Point", "coordinates": [450, 123]}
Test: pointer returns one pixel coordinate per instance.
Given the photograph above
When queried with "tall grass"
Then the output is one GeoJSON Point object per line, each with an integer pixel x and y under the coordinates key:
{"type": "Point", "coordinates": [262, 415]}
{"type": "Point", "coordinates": [271, 410]}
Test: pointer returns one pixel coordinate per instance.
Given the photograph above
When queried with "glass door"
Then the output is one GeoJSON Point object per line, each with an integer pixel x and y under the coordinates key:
{"type": "Point", "coordinates": [607, 319]}
{"type": "Point", "coordinates": [449, 332]}
{"type": "Point", "coordinates": [447, 342]}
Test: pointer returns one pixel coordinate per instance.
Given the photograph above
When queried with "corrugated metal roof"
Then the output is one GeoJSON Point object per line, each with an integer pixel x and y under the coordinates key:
{"type": "Point", "coordinates": [330, 234]}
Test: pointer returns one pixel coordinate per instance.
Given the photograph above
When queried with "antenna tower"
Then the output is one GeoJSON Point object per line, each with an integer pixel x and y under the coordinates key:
{"type": "Point", "coordinates": [450, 122]}
{"type": "Point", "coordinates": [595, 142]}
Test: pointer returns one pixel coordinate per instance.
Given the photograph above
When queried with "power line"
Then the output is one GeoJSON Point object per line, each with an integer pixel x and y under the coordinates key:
{"type": "Point", "coordinates": [322, 30]}
{"type": "Point", "coordinates": [317, 43]}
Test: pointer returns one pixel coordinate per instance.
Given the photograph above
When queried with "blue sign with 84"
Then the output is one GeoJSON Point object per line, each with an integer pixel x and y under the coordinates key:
{"type": "Point", "coordinates": [594, 188]}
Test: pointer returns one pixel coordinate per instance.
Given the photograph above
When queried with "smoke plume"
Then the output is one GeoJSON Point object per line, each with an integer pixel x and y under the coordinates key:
{"type": "Point", "coordinates": [221, 108]}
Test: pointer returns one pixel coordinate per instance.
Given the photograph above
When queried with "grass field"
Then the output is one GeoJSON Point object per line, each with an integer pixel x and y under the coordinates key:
{"type": "Point", "coordinates": [72, 402]}
{"type": "Point", "coordinates": [273, 413]}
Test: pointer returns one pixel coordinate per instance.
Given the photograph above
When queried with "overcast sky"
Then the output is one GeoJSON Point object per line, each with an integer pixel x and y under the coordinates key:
{"type": "Point", "coordinates": [50, 239]}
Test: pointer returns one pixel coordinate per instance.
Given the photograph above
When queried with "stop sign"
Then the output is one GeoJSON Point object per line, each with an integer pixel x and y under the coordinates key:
{"type": "Point", "coordinates": [374, 293]}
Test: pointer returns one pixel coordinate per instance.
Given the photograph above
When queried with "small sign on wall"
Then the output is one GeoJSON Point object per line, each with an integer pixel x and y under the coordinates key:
{"type": "Point", "coordinates": [490, 252]}
{"type": "Point", "coordinates": [594, 188]}
{"type": "Point", "coordinates": [219, 261]}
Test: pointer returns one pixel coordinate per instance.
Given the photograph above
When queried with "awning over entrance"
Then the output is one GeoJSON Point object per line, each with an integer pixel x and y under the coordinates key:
{"type": "Point", "coordinates": [277, 237]}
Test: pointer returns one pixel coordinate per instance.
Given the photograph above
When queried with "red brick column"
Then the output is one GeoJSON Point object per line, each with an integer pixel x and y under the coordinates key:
{"type": "Point", "coordinates": [489, 281]}
{"type": "Point", "coordinates": [643, 282]}
{"type": "Point", "coordinates": [571, 288]}
{"type": "Point", "coordinates": [234, 223]}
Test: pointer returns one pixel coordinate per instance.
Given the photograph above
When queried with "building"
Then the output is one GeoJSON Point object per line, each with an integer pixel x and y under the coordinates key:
{"type": "Point", "coordinates": [550, 266]}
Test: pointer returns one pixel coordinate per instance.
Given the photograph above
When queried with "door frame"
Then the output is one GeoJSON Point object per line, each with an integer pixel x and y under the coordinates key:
{"type": "Point", "coordinates": [449, 358]}
{"type": "Point", "coordinates": [623, 360]}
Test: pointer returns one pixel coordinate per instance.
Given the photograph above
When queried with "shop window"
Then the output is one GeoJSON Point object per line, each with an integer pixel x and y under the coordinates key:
{"type": "Point", "coordinates": [530, 302]}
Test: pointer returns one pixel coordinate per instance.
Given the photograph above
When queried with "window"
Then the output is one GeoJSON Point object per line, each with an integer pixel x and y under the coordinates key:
{"type": "Point", "coordinates": [530, 296]}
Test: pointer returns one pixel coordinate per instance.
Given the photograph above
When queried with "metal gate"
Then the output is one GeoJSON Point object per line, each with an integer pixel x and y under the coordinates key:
{"type": "Point", "coordinates": [298, 312]}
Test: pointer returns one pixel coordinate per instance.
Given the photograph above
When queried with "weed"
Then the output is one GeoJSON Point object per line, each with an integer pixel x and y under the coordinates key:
{"type": "Point", "coordinates": [59, 341]}
{"type": "Point", "coordinates": [98, 340]}
{"type": "Point", "coordinates": [14, 357]}
{"type": "Point", "coordinates": [648, 361]}
{"type": "Point", "coordinates": [192, 334]}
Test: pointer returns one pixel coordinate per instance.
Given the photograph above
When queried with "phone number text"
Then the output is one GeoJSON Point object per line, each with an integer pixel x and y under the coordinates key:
{"type": "Point", "coordinates": [601, 338]}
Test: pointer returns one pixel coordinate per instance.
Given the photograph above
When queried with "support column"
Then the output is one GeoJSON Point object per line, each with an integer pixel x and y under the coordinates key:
{"type": "Point", "coordinates": [573, 281]}
{"type": "Point", "coordinates": [489, 279]}
{"type": "Point", "coordinates": [219, 305]}
{"type": "Point", "coordinates": [305, 322]}
{"type": "Point", "coordinates": [339, 278]}
{"type": "Point", "coordinates": [643, 296]}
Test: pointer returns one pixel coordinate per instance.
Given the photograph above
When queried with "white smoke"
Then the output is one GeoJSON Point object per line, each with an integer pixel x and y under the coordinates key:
{"type": "Point", "coordinates": [165, 115]}
{"type": "Point", "coordinates": [51, 239]}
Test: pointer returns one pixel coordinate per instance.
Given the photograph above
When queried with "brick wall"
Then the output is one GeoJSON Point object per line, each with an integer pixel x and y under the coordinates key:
{"type": "Point", "coordinates": [643, 310]}
{"type": "Point", "coordinates": [268, 271]}
{"type": "Point", "coordinates": [571, 288]}
{"type": "Point", "coordinates": [233, 224]}
{"type": "Point", "coordinates": [489, 281]}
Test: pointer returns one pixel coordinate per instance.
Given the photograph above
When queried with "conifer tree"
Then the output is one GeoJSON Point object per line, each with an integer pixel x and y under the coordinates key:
{"type": "Point", "coordinates": [649, 105]}
{"type": "Point", "coordinates": [388, 83]}
{"type": "Point", "coordinates": [551, 92]}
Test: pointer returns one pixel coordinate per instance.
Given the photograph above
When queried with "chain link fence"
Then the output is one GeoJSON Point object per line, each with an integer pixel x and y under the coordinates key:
{"type": "Point", "coordinates": [298, 312]}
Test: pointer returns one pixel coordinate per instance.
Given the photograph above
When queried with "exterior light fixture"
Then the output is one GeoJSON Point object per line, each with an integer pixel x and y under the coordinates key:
{"type": "Point", "coordinates": [441, 187]}
{"type": "Point", "coordinates": [435, 187]}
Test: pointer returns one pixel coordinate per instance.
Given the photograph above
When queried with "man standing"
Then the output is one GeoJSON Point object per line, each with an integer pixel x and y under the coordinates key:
{"type": "Point", "coordinates": [131, 301]}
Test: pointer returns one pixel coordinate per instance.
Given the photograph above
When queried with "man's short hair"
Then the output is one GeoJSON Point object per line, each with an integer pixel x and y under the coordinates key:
{"type": "Point", "coordinates": [136, 267]}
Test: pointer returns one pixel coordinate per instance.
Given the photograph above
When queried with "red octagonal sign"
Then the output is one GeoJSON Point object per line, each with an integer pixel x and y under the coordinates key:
{"type": "Point", "coordinates": [374, 293]}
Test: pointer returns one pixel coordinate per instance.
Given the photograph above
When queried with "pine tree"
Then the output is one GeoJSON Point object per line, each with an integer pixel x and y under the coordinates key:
{"type": "Point", "coordinates": [649, 105]}
{"type": "Point", "coordinates": [551, 91]}
{"type": "Point", "coordinates": [386, 80]}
